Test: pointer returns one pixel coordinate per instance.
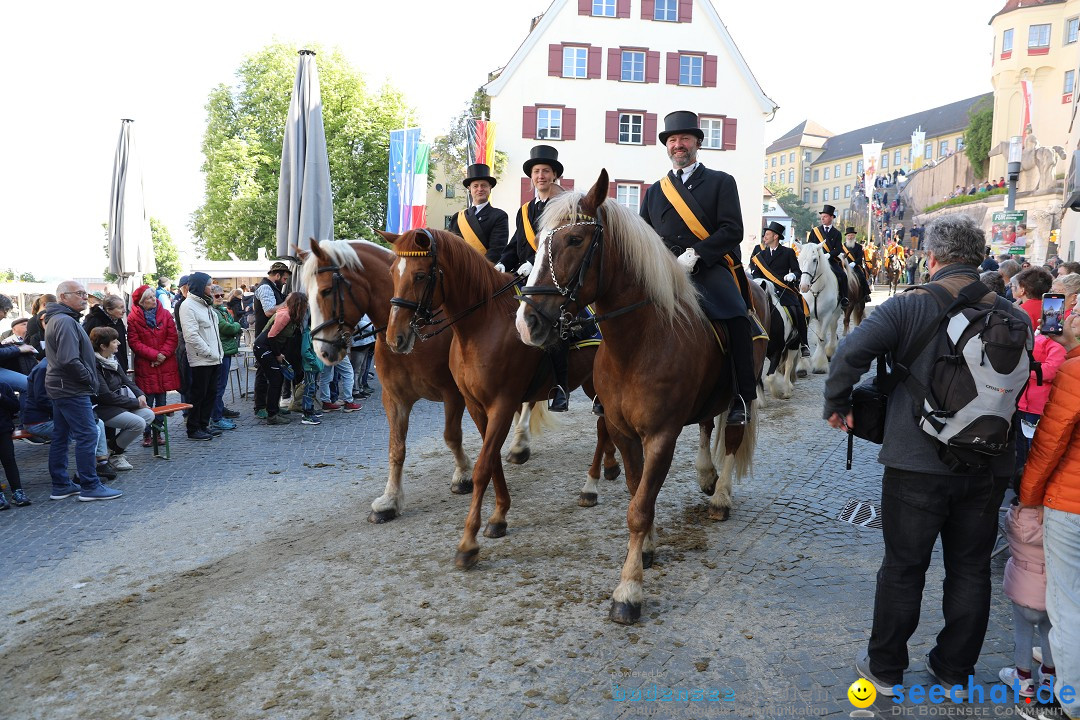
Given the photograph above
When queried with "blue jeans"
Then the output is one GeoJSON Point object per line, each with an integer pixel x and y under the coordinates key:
{"type": "Point", "coordinates": [343, 373]}
{"type": "Point", "coordinates": [1061, 543]}
{"type": "Point", "coordinates": [223, 382]}
{"type": "Point", "coordinates": [74, 419]}
{"type": "Point", "coordinates": [311, 383]}
{"type": "Point", "coordinates": [16, 380]}
{"type": "Point", "coordinates": [916, 509]}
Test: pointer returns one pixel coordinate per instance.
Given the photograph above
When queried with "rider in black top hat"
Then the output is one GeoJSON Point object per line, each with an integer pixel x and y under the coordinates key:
{"type": "Point", "coordinates": [781, 262]}
{"type": "Point", "coordinates": [856, 260]}
{"type": "Point", "coordinates": [827, 234]}
{"type": "Point", "coordinates": [487, 223]}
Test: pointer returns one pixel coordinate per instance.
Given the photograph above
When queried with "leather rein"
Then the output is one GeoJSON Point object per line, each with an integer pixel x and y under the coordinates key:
{"type": "Point", "coordinates": [339, 286]}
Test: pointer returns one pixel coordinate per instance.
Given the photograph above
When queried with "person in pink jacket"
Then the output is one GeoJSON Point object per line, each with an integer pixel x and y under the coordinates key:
{"type": "Point", "coordinates": [1025, 585]}
{"type": "Point", "coordinates": [1049, 355]}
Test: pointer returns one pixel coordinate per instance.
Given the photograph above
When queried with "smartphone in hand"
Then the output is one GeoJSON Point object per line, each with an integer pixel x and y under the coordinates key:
{"type": "Point", "coordinates": [1053, 314]}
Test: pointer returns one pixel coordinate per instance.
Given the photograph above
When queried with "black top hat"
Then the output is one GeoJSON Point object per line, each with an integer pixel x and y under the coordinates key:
{"type": "Point", "coordinates": [543, 155]}
{"type": "Point", "coordinates": [776, 228]}
{"type": "Point", "coordinates": [681, 121]}
{"type": "Point", "coordinates": [479, 171]}
{"type": "Point", "coordinates": [850, 231]}
{"type": "Point", "coordinates": [828, 210]}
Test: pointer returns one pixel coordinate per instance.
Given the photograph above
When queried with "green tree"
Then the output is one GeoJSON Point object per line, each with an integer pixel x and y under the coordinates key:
{"type": "Point", "coordinates": [803, 218]}
{"type": "Point", "coordinates": [166, 258]}
{"type": "Point", "coordinates": [242, 150]}
{"type": "Point", "coordinates": [977, 136]}
{"type": "Point", "coordinates": [28, 277]}
{"type": "Point", "coordinates": [451, 151]}
{"type": "Point", "coordinates": [7, 275]}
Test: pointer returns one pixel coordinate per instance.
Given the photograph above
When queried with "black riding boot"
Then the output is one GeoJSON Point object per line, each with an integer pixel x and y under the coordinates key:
{"type": "Point", "coordinates": [742, 357]}
{"type": "Point", "coordinates": [560, 400]}
{"type": "Point", "coordinates": [800, 324]}
{"type": "Point", "coordinates": [841, 281]}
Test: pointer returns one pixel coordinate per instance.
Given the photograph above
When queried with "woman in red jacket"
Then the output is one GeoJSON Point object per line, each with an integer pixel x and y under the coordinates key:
{"type": "Point", "coordinates": [153, 339]}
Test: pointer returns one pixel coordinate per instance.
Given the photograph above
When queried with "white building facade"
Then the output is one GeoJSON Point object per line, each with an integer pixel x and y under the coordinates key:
{"type": "Point", "coordinates": [595, 78]}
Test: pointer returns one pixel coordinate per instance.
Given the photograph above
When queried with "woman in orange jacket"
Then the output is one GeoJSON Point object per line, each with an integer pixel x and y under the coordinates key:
{"type": "Point", "coordinates": [1052, 481]}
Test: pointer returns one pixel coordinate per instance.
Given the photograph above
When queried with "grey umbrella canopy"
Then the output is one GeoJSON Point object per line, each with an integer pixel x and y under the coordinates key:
{"type": "Point", "coordinates": [131, 248]}
{"type": "Point", "coordinates": [305, 203]}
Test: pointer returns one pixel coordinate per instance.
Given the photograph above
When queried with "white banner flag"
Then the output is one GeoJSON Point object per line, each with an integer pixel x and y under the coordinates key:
{"type": "Point", "coordinates": [871, 155]}
{"type": "Point", "coordinates": [918, 148]}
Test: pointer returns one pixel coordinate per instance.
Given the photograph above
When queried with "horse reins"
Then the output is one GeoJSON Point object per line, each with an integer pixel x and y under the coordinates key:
{"type": "Point", "coordinates": [338, 286]}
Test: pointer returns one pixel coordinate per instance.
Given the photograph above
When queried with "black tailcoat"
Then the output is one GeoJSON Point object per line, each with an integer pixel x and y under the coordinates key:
{"type": "Point", "coordinates": [494, 230]}
{"type": "Point", "coordinates": [780, 262]}
{"type": "Point", "coordinates": [518, 250]}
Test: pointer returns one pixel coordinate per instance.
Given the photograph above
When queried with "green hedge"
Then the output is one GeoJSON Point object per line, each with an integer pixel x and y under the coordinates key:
{"type": "Point", "coordinates": [965, 199]}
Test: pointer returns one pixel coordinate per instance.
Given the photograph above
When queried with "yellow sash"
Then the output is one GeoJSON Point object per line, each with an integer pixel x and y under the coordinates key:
{"type": "Point", "coordinates": [469, 234]}
{"type": "Point", "coordinates": [822, 240]}
{"type": "Point", "coordinates": [530, 234]}
{"type": "Point", "coordinates": [682, 208]}
{"type": "Point", "coordinates": [776, 281]}
{"type": "Point", "coordinates": [848, 253]}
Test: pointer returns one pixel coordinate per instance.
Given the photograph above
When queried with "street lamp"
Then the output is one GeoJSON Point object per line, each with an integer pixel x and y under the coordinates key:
{"type": "Point", "coordinates": [1016, 153]}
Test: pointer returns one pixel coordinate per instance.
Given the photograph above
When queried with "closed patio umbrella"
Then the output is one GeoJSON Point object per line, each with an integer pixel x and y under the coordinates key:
{"type": "Point", "coordinates": [131, 247]}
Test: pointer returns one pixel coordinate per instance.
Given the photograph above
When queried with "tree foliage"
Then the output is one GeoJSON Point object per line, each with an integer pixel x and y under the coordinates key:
{"type": "Point", "coordinates": [245, 125]}
{"type": "Point", "coordinates": [977, 136]}
{"type": "Point", "coordinates": [803, 218]}
{"type": "Point", "coordinates": [10, 275]}
{"type": "Point", "coordinates": [166, 257]}
{"type": "Point", "coordinates": [451, 151]}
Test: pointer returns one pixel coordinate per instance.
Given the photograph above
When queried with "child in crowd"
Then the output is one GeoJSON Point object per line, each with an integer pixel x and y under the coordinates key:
{"type": "Point", "coordinates": [1025, 585]}
{"type": "Point", "coordinates": [312, 369]}
{"type": "Point", "coordinates": [9, 405]}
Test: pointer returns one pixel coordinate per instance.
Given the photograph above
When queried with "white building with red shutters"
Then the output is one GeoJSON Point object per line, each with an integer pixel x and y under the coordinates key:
{"type": "Point", "coordinates": [595, 78]}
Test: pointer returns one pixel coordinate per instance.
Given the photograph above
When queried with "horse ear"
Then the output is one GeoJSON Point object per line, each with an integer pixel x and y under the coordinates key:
{"type": "Point", "coordinates": [422, 238]}
{"type": "Point", "coordinates": [388, 236]}
{"type": "Point", "coordinates": [301, 252]}
{"type": "Point", "coordinates": [597, 194]}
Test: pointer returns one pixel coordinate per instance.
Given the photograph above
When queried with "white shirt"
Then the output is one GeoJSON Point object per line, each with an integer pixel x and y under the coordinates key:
{"type": "Point", "coordinates": [686, 172]}
{"type": "Point", "coordinates": [478, 208]}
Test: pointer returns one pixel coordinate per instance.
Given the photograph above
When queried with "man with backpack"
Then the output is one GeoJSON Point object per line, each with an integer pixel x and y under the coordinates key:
{"type": "Point", "coordinates": [948, 448]}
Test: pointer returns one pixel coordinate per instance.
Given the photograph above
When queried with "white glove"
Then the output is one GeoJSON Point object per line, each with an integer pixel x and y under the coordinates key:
{"type": "Point", "coordinates": [524, 269]}
{"type": "Point", "coordinates": [851, 265]}
{"type": "Point", "coordinates": [499, 267]}
{"type": "Point", "coordinates": [688, 259]}
{"type": "Point", "coordinates": [790, 277]}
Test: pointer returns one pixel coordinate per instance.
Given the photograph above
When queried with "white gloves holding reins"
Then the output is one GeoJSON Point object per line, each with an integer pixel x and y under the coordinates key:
{"type": "Point", "coordinates": [525, 268]}
{"type": "Point", "coordinates": [688, 259]}
{"type": "Point", "coordinates": [790, 277]}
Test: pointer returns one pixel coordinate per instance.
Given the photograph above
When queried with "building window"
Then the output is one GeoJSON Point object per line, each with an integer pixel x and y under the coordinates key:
{"type": "Point", "coordinates": [806, 175]}
{"type": "Point", "coordinates": [825, 194]}
{"type": "Point", "coordinates": [836, 171]}
{"type": "Point", "coordinates": [1006, 41]}
{"type": "Point", "coordinates": [928, 154]}
{"type": "Point", "coordinates": [943, 150]}
{"type": "Point", "coordinates": [816, 174]}
{"type": "Point", "coordinates": [826, 173]}
{"type": "Point", "coordinates": [1038, 37]}
{"type": "Point", "coordinates": [1070, 81]}
{"type": "Point", "coordinates": [633, 66]}
{"type": "Point", "coordinates": [806, 156]}
{"type": "Point", "coordinates": [806, 195]}
{"type": "Point", "coordinates": [603, 8]}
{"type": "Point", "coordinates": [959, 143]}
{"type": "Point", "coordinates": [847, 191]}
{"type": "Point", "coordinates": [1072, 30]}
{"type": "Point", "coordinates": [782, 157]}
{"type": "Point", "coordinates": [549, 123]}
{"type": "Point", "coordinates": [766, 159]}
{"type": "Point", "coordinates": [630, 125]}
{"type": "Point", "coordinates": [690, 70]}
{"type": "Point", "coordinates": [814, 197]}
{"type": "Point", "coordinates": [714, 135]}
{"type": "Point", "coordinates": [772, 178]}
{"type": "Point", "coordinates": [847, 169]}
{"type": "Point", "coordinates": [790, 176]}
{"type": "Point", "coordinates": [449, 190]}
{"type": "Point", "coordinates": [884, 160]}
{"type": "Point", "coordinates": [791, 157]}
{"type": "Point", "coordinates": [666, 10]}
{"type": "Point", "coordinates": [836, 193]}
{"type": "Point", "coordinates": [629, 196]}
{"type": "Point", "coordinates": [575, 62]}
{"type": "Point", "coordinates": [896, 158]}
{"type": "Point", "coordinates": [774, 161]}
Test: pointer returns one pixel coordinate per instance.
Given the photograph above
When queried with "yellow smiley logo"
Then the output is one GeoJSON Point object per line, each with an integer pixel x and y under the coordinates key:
{"type": "Point", "coordinates": [861, 693]}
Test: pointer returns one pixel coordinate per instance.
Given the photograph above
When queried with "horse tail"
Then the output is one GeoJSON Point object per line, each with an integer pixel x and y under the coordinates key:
{"type": "Point", "coordinates": [541, 419]}
{"type": "Point", "coordinates": [744, 453]}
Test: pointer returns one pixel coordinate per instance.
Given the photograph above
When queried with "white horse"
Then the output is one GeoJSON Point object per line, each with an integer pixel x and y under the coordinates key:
{"type": "Point", "coordinates": [818, 286]}
{"type": "Point", "coordinates": [782, 355]}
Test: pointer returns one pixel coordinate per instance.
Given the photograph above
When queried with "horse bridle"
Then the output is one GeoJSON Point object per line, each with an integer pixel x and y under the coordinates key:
{"type": "Point", "coordinates": [339, 285]}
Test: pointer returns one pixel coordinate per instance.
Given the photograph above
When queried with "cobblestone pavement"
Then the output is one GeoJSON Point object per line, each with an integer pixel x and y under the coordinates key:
{"type": "Point", "coordinates": [241, 580]}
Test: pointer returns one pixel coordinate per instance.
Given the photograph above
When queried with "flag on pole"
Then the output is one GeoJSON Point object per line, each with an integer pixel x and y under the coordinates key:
{"type": "Point", "coordinates": [918, 147]}
{"type": "Point", "coordinates": [481, 142]}
{"type": "Point", "coordinates": [406, 195]}
{"type": "Point", "coordinates": [1025, 118]}
{"type": "Point", "coordinates": [871, 153]}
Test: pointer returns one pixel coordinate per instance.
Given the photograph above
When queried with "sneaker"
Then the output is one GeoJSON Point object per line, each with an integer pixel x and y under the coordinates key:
{"type": "Point", "coordinates": [147, 442]}
{"type": "Point", "coordinates": [1010, 678]}
{"type": "Point", "coordinates": [19, 499]}
{"type": "Point", "coordinates": [224, 424]}
{"type": "Point", "coordinates": [310, 420]}
{"type": "Point", "coordinates": [200, 435]}
{"type": "Point", "coordinates": [105, 470]}
{"type": "Point", "coordinates": [216, 432]}
{"type": "Point", "coordinates": [230, 413]}
{"type": "Point", "coordinates": [64, 491]}
{"type": "Point", "coordinates": [960, 692]}
{"type": "Point", "coordinates": [3, 502]}
{"type": "Point", "coordinates": [119, 462]}
{"type": "Point", "coordinates": [261, 413]}
{"type": "Point", "coordinates": [100, 492]}
{"type": "Point", "coordinates": [278, 420]}
{"type": "Point", "coordinates": [36, 440]}
{"type": "Point", "coordinates": [284, 411]}
{"type": "Point", "coordinates": [862, 666]}
{"type": "Point", "coordinates": [351, 407]}
{"type": "Point", "coordinates": [331, 406]}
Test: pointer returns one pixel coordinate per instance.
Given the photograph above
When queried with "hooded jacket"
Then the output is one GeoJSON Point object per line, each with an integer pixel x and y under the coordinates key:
{"type": "Point", "coordinates": [1049, 355]}
{"type": "Point", "coordinates": [229, 330]}
{"type": "Point", "coordinates": [1052, 474]}
{"type": "Point", "coordinates": [36, 405]}
{"type": "Point", "coordinates": [147, 342]}
{"type": "Point", "coordinates": [97, 317]}
{"type": "Point", "coordinates": [1025, 572]}
{"type": "Point", "coordinates": [72, 368]}
{"type": "Point", "coordinates": [199, 324]}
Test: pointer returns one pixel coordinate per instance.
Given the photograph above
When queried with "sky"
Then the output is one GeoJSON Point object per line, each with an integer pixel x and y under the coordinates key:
{"type": "Point", "coordinates": [76, 68]}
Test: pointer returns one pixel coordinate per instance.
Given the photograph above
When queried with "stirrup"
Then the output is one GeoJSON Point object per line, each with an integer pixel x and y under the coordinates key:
{"type": "Point", "coordinates": [560, 402]}
{"type": "Point", "coordinates": [739, 414]}
{"type": "Point", "coordinates": [597, 407]}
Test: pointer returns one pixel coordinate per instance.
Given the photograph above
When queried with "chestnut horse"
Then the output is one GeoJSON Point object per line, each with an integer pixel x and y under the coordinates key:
{"type": "Point", "coordinates": [660, 366]}
{"type": "Point", "coordinates": [493, 369]}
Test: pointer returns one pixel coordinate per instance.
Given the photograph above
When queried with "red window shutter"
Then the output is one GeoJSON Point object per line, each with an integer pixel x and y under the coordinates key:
{"type": "Point", "coordinates": [614, 64]}
{"type": "Point", "coordinates": [644, 189]}
{"type": "Point", "coordinates": [730, 126]}
{"type": "Point", "coordinates": [648, 9]}
{"type": "Point", "coordinates": [649, 129]}
{"type": "Point", "coordinates": [611, 189]}
{"type": "Point", "coordinates": [652, 66]}
{"type": "Point", "coordinates": [594, 61]}
{"type": "Point", "coordinates": [584, 7]}
{"type": "Point", "coordinates": [569, 123]}
{"type": "Point", "coordinates": [611, 126]}
{"type": "Point", "coordinates": [686, 10]}
{"type": "Point", "coordinates": [709, 71]}
{"type": "Point", "coordinates": [526, 193]}
{"type": "Point", "coordinates": [528, 122]}
{"type": "Point", "coordinates": [673, 68]}
{"type": "Point", "coordinates": [555, 60]}
{"type": "Point", "coordinates": [622, 8]}
{"type": "Point", "coordinates": [566, 184]}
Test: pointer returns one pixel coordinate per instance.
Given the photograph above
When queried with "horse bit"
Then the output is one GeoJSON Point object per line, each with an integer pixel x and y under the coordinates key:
{"type": "Point", "coordinates": [339, 285]}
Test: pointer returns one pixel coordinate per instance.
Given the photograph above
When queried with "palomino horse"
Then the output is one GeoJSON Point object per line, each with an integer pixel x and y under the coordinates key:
{"type": "Point", "coordinates": [818, 287]}
{"type": "Point", "coordinates": [894, 271]}
{"type": "Point", "coordinates": [660, 366]}
{"type": "Point", "coordinates": [493, 370]}
{"type": "Point", "coordinates": [782, 353]}
{"type": "Point", "coordinates": [873, 265]}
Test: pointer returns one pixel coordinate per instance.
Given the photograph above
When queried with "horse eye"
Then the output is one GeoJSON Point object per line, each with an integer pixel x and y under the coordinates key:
{"type": "Point", "coordinates": [325, 292]}
{"type": "Point", "coordinates": [419, 276]}
{"type": "Point", "coordinates": [573, 240]}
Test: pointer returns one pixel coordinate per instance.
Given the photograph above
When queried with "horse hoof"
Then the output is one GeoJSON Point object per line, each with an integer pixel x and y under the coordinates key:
{"type": "Point", "coordinates": [378, 517]}
{"type": "Point", "coordinates": [800, 373]}
{"type": "Point", "coordinates": [720, 514]}
{"type": "Point", "coordinates": [519, 458]}
{"type": "Point", "coordinates": [466, 559]}
{"type": "Point", "coordinates": [587, 499]}
{"type": "Point", "coordinates": [710, 488]}
{"type": "Point", "coordinates": [819, 372]}
{"type": "Point", "coordinates": [495, 530]}
{"type": "Point", "coordinates": [610, 473]}
{"type": "Point", "coordinates": [462, 488]}
{"type": "Point", "coordinates": [624, 613]}
{"type": "Point", "coordinates": [647, 559]}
